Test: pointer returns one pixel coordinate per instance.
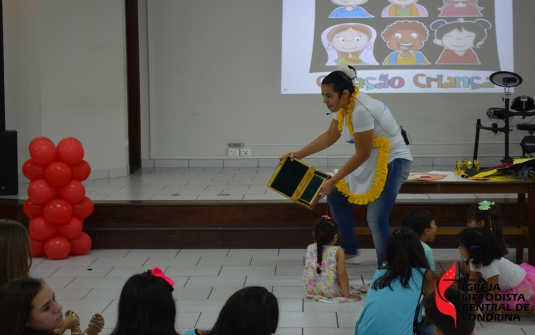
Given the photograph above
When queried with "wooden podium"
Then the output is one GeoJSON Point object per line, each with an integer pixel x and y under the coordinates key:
{"type": "Point", "coordinates": [298, 182]}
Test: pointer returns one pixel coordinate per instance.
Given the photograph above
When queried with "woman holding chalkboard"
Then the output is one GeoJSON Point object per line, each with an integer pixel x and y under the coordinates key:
{"type": "Point", "coordinates": [374, 174]}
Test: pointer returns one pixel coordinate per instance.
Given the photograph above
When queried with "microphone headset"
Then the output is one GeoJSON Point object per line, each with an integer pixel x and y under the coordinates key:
{"type": "Point", "coordinates": [336, 109]}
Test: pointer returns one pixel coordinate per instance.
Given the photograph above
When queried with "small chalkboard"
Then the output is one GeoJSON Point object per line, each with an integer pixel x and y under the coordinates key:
{"type": "Point", "coordinates": [298, 181]}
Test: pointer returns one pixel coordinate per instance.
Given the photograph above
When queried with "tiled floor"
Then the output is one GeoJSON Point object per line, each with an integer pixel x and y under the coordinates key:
{"type": "Point", "coordinates": [205, 278]}
{"type": "Point", "coordinates": [201, 184]}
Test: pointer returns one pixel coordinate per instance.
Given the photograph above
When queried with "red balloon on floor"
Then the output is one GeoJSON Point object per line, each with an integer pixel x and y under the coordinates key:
{"type": "Point", "coordinates": [41, 192]}
{"type": "Point", "coordinates": [39, 139]}
{"type": "Point", "coordinates": [81, 245]}
{"type": "Point", "coordinates": [71, 229]}
{"type": "Point", "coordinates": [58, 211]}
{"type": "Point", "coordinates": [57, 247]}
{"type": "Point", "coordinates": [43, 153]}
{"type": "Point", "coordinates": [58, 173]}
{"type": "Point", "coordinates": [38, 247]}
{"type": "Point", "coordinates": [83, 208]}
{"type": "Point", "coordinates": [73, 191]}
{"type": "Point", "coordinates": [32, 170]}
{"type": "Point", "coordinates": [70, 153]}
{"type": "Point", "coordinates": [41, 229]}
{"type": "Point", "coordinates": [80, 171]}
{"type": "Point", "coordinates": [33, 210]}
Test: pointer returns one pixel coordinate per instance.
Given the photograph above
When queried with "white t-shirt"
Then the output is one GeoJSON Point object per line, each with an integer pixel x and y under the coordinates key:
{"type": "Point", "coordinates": [370, 113]}
{"type": "Point", "coordinates": [510, 274]}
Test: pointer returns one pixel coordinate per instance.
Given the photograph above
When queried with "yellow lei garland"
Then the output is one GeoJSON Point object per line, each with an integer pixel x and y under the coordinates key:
{"type": "Point", "coordinates": [348, 113]}
{"type": "Point", "coordinates": [381, 170]}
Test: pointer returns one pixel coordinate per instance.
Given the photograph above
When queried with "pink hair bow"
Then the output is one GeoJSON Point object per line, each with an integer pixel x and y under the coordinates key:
{"type": "Point", "coordinates": [326, 217]}
{"type": "Point", "coordinates": [157, 272]}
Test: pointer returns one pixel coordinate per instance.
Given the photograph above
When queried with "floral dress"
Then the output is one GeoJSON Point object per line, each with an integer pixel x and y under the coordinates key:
{"type": "Point", "coordinates": [323, 287]}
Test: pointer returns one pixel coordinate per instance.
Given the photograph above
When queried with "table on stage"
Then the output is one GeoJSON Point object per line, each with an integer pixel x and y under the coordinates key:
{"type": "Point", "coordinates": [455, 184]}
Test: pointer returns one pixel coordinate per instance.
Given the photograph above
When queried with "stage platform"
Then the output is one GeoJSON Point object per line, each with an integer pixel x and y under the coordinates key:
{"type": "Point", "coordinates": [233, 208]}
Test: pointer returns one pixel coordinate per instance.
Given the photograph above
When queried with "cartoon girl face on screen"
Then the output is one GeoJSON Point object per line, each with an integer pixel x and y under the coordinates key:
{"type": "Point", "coordinates": [460, 8]}
{"type": "Point", "coordinates": [405, 37]}
{"type": "Point", "coordinates": [349, 43]}
{"type": "Point", "coordinates": [404, 8]}
{"type": "Point", "coordinates": [459, 38]}
{"type": "Point", "coordinates": [350, 9]}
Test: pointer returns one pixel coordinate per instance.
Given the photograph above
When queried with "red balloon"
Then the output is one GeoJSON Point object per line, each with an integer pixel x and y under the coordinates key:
{"type": "Point", "coordinates": [41, 192]}
{"type": "Point", "coordinates": [58, 211]}
{"type": "Point", "coordinates": [69, 139]}
{"type": "Point", "coordinates": [83, 209]}
{"type": "Point", "coordinates": [70, 152]}
{"type": "Point", "coordinates": [80, 171]}
{"type": "Point", "coordinates": [41, 229]}
{"type": "Point", "coordinates": [57, 247]}
{"type": "Point", "coordinates": [39, 139]}
{"type": "Point", "coordinates": [73, 191]}
{"type": "Point", "coordinates": [71, 229]}
{"type": "Point", "coordinates": [43, 153]}
{"type": "Point", "coordinates": [58, 173]}
{"type": "Point", "coordinates": [38, 247]}
{"type": "Point", "coordinates": [33, 210]}
{"type": "Point", "coordinates": [32, 170]}
{"type": "Point", "coordinates": [81, 244]}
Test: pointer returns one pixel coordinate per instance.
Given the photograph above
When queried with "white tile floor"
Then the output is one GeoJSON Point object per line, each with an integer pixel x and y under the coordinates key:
{"type": "Point", "coordinates": [202, 184]}
{"type": "Point", "coordinates": [205, 278]}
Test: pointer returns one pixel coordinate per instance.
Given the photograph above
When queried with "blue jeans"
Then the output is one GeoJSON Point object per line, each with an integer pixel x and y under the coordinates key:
{"type": "Point", "coordinates": [378, 211]}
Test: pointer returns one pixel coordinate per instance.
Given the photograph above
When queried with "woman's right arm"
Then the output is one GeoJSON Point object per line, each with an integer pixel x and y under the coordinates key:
{"type": "Point", "coordinates": [322, 142]}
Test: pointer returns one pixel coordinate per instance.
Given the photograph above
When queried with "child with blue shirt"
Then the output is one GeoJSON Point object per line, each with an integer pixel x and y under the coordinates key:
{"type": "Point", "coordinates": [422, 222]}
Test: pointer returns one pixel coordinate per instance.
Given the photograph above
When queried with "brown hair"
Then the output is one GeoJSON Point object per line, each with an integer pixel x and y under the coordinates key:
{"type": "Point", "coordinates": [353, 26]}
{"type": "Point", "coordinates": [493, 222]}
{"type": "Point", "coordinates": [416, 26]}
{"type": "Point", "coordinates": [15, 251]}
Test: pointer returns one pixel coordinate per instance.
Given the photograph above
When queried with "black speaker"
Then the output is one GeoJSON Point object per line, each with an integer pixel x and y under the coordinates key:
{"type": "Point", "coordinates": [9, 171]}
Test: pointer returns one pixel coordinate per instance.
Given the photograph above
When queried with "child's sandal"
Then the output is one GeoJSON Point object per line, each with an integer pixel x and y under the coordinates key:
{"type": "Point", "coordinates": [71, 313]}
{"type": "Point", "coordinates": [96, 324]}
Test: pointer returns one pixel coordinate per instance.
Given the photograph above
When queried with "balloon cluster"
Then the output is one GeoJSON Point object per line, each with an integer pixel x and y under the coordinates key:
{"type": "Point", "coordinates": [56, 204]}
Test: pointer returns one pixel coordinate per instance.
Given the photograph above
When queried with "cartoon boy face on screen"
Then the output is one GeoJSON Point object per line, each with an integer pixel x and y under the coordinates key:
{"type": "Point", "coordinates": [459, 38]}
{"type": "Point", "coordinates": [349, 43]}
{"type": "Point", "coordinates": [350, 9]}
{"type": "Point", "coordinates": [405, 37]}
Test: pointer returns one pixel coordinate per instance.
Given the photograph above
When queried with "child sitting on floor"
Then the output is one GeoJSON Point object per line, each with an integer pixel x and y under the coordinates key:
{"type": "Point", "coordinates": [28, 306]}
{"type": "Point", "coordinates": [251, 310]}
{"type": "Point", "coordinates": [503, 278]}
{"type": "Point", "coordinates": [325, 277]}
{"type": "Point", "coordinates": [445, 325]}
{"type": "Point", "coordinates": [422, 222]}
{"type": "Point", "coordinates": [393, 302]}
{"type": "Point", "coordinates": [485, 214]}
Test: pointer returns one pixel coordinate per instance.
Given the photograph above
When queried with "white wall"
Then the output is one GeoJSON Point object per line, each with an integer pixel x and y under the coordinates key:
{"type": "Point", "coordinates": [215, 79]}
{"type": "Point", "coordinates": [66, 76]}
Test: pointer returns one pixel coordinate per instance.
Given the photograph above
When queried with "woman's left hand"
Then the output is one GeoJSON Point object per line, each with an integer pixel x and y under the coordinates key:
{"type": "Point", "coordinates": [326, 188]}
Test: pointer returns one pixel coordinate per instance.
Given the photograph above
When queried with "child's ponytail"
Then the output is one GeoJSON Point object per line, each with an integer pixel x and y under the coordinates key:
{"type": "Point", "coordinates": [324, 231]}
{"type": "Point", "coordinates": [489, 212]}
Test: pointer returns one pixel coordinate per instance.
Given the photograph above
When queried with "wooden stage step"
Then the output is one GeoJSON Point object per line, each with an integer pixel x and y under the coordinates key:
{"type": "Point", "coordinates": [240, 224]}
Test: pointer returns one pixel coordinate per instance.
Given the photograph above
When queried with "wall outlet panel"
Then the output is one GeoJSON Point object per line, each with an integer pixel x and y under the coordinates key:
{"type": "Point", "coordinates": [245, 152]}
{"type": "Point", "coordinates": [233, 152]}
